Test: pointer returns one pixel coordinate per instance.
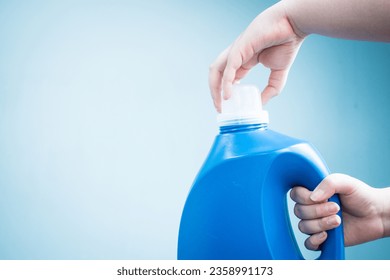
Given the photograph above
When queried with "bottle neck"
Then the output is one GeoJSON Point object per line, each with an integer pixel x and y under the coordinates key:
{"type": "Point", "coordinates": [233, 128]}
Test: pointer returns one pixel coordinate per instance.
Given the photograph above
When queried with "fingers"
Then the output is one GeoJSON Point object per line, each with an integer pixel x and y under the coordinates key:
{"type": "Point", "coordinates": [334, 183]}
{"type": "Point", "coordinates": [231, 66]}
{"type": "Point", "coordinates": [301, 195]}
{"type": "Point", "coordinates": [315, 211]}
{"type": "Point", "coordinates": [246, 67]}
{"type": "Point", "coordinates": [215, 87]}
{"type": "Point", "coordinates": [234, 62]}
{"type": "Point", "coordinates": [276, 83]}
{"type": "Point", "coordinates": [315, 240]}
{"type": "Point", "coordinates": [225, 71]}
{"type": "Point", "coordinates": [215, 78]}
{"type": "Point", "coordinates": [318, 225]}
{"type": "Point", "coordinates": [222, 74]}
{"type": "Point", "coordinates": [316, 217]}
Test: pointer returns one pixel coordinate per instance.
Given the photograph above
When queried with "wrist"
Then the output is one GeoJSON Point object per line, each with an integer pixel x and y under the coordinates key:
{"type": "Point", "coordinates": [385, 213]}
{"type": "Point", "coordinates": [292, 13]}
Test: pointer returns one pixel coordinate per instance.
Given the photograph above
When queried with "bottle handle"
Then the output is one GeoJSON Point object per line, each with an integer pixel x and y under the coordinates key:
{"type": "Point", "coordinates": [295, 168]}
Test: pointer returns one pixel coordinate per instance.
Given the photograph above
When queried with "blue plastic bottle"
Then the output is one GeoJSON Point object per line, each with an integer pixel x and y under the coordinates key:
{"type": "Point", "coordinates": [237, 207]}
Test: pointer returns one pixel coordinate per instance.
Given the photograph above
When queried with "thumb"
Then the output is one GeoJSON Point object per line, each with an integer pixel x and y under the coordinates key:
{"type": "Point", "coordinates": [276, 83]}
{"type": "Point", "coordinates": [333, 183]}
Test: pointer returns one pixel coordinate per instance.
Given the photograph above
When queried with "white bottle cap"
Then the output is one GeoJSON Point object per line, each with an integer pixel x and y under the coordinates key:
{"type": "Point", "coordinates": [243, 107]}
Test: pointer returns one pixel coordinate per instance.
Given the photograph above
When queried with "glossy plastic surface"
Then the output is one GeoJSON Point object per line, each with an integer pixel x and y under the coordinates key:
{"type": "Point", "coordinates": [237, 207]}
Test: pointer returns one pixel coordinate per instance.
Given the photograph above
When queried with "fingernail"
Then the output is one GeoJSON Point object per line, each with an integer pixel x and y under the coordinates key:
{"type": "Point", "coordinates": [334, 220]}
{"type": "Point", "coordinates": [321, 235]}
{"type": "Point", "coordinates": [332, 208]}
{"type": "Point", "coordinates": [316, 195]}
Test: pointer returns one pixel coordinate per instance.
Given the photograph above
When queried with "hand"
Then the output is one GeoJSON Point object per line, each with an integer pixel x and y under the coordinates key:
{"type": "Point", "coordinates": [270, 40]}
{"type": "Point", "coordinates": [364, 210]}
{"type": "Point", "coordinates": [275, 36]}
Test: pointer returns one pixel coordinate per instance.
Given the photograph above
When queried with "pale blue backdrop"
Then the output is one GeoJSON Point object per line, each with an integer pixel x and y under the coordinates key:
{"type": "Point", "coordinates": [105, 119]}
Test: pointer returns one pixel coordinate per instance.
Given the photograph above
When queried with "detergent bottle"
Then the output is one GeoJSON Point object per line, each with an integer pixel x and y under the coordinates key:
{"type": "Point", "coordinates": [237, 207]}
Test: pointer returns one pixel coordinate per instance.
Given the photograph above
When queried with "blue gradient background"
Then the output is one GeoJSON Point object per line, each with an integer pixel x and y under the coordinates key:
{"type": "Point", "coordinates": [105, 119]}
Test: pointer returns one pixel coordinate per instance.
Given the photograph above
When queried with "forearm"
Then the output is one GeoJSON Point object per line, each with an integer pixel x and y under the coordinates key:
{"type": "Point", "coordinates": [349, 19]}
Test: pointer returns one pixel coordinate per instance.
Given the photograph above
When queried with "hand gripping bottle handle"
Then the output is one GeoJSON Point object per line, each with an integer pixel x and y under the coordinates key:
{"type": "Point", "coordinates": [296, 165]}
{"type": "Point", "coordinates": [302, 166]}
